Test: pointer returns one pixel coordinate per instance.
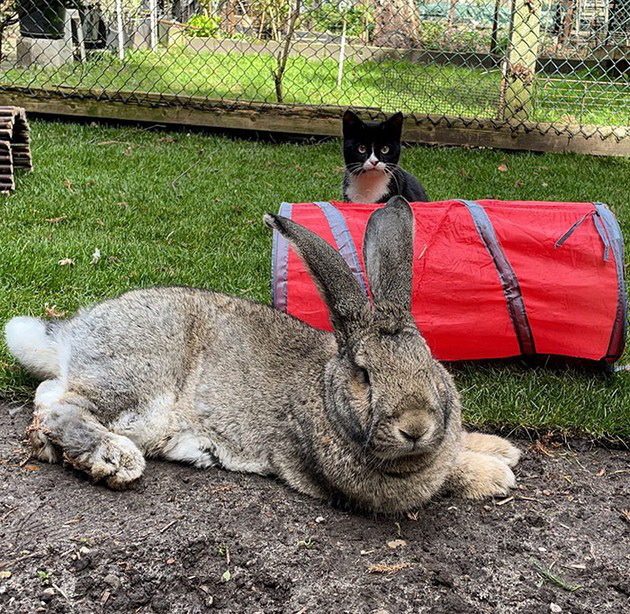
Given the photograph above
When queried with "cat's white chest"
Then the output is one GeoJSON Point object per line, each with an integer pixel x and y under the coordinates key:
{"type": "Point", "coordinates": [367, 187]}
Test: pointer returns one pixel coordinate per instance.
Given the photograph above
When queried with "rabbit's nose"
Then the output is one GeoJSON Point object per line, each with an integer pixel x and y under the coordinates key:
{"type": "Point", "coordinates": [410, 437]}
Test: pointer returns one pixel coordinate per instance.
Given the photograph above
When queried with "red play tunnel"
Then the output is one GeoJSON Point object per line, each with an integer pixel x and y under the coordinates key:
{"type": "Point", "coordinates": [491, 279]}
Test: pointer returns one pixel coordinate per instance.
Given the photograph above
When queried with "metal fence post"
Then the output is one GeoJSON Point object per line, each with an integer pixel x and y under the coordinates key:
{"type": "Point", "coordinates": [522, 57]}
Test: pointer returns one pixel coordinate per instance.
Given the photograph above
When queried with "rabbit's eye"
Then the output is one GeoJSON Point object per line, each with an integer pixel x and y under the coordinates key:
{"type": "Point", "coordinates": [385, 149]}
{"type": "Point", "coordinates": [362, 149]}
{"type": "Point", "coordinates": [363, 376]}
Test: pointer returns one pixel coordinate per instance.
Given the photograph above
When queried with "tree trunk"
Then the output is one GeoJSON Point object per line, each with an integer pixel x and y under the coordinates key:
{"type": "Point", "coordinates": [451, 13]}
{"type": "Point", "coordinates": [396, 23]}
{"type": "Point", "coordinates": [568, 21]}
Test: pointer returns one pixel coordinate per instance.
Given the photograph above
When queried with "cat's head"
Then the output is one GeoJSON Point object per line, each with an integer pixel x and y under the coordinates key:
{"type": "Point", "coordinates": [371, 147]}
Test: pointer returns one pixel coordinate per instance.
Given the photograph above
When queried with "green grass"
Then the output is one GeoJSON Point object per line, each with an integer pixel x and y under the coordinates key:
{"type": "Point", "coordinates": [174, 208]}
{"type": "Point", "coordinates": [421, 88]}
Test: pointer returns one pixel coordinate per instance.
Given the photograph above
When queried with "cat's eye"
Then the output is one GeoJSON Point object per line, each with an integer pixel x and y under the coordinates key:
{"type": "Point", "coordinates": [362, 148]}
{"type": "Point", "coordinates": [385, 149]}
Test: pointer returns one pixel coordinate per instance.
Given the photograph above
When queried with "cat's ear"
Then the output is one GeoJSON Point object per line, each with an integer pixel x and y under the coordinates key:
{"type": "Point", "coordinates": [394, 124]}
{"type": "Point", "coordinates": [352, 124]}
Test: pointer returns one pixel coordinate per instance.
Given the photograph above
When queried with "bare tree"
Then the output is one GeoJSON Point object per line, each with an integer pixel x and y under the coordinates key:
{"type": "Point", "coordinates": [285, 49]}
{"type": "Point", "coordinates": [8, 17]}
{"type": "Point", "coordinates": [396, 23]}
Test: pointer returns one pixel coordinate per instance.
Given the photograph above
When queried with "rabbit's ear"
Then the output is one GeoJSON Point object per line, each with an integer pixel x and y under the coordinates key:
{"type": "Point", "coordinates": [388, 253]}
{"type": "Point", "coordinates": [347, 302]}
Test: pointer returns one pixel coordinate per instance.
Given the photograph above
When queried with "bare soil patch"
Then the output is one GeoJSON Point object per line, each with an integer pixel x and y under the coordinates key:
{"type": "Point", "coordinates": [185, 540]}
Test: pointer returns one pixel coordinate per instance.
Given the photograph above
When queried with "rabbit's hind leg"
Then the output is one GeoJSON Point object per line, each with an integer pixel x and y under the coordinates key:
{"type": "Point", "coordinates": [63, 422]}
{"type": "Point", "coordinates": [493, 445]}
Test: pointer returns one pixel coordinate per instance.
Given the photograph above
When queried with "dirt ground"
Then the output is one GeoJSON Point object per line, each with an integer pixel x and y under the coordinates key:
{"type": "Point", "coordinates": [185, 540]}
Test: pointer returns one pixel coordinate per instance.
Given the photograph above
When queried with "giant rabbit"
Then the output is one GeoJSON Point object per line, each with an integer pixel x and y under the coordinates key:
{"type": "Point", "coordinates": [364, 417]}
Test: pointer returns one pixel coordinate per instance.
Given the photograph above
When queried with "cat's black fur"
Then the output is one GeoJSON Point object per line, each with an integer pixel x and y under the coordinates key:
{"type": "Point", "coordinates": [385, 179]}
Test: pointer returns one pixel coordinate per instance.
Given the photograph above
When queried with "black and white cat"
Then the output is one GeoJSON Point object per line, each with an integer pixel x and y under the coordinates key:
{"type": "Point", "coordinates": [371, 152]}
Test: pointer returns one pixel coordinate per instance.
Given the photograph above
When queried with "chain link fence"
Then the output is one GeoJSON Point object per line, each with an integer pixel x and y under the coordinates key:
{"type": "Point", "coordinates": [549, 66]}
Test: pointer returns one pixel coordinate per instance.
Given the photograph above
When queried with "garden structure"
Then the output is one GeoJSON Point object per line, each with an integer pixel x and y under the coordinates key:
{"type": "Point", "coordinates": [521, 74]}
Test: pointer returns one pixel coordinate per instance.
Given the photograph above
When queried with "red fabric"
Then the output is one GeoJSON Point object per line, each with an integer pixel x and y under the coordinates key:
{"type": "Point", "coordinates": [570, 293]}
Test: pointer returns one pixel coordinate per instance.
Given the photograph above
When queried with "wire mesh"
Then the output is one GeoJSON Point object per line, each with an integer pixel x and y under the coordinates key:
{"type": "Point", "coordinates": [518, 62]}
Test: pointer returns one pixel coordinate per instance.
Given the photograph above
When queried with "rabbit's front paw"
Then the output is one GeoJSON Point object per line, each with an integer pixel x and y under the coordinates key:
{"type": "Point", "coordinates": [486, 476]}
{"type": "Point", "coordinates": [116, 459]}
{"type": "Point", "coordinates": [492, 445]}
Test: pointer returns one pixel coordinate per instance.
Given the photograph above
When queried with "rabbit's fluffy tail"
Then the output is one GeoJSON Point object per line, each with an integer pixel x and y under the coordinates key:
{"type": "Point", "coordinates": [33, 342]}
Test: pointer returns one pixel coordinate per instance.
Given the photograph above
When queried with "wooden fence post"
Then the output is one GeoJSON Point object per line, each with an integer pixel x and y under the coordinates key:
{"type": "Point", "coordinates": [522, 57]}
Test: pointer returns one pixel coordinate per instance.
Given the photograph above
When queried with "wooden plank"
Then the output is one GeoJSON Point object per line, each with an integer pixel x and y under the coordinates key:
{"type": "Point", "coordinates": [317, 121]}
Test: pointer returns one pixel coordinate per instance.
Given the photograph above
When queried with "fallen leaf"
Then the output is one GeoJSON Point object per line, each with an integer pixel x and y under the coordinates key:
{"type": "Point", "coordinates": [226, 575]}
{"type": "Point", "coordinates": [68, 184]}
{"type": "Point", "coordinates": [31, 467]}
{"type": "Point", "coordinates": [166, 139]}
{"type": "Point", "coordinates": [51, 312]}
{"type": "Point", "coordinates": [601, 472]}
{"type": "Point", "coordinates": [56, 220]}
{"type": "Point", "coordinates": [555, 608]}
{"type": "Point", "coordinates": [66, 262]}
{"type": "Point", "coordinates": [5, 574]}
{"type": "Point", "coordinates": [502, 167]}
{"type": "Point", "coordinates": [396, 543]}
{"type": "Point", "coordinates": [384, 568]}
{"type": "Point", "coordinates": [170, 561]}
{"type": "Point", "coordinates": [96, 256]}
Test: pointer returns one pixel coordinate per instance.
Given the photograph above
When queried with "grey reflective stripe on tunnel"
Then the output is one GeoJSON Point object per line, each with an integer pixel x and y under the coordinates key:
{"type": "Point", "coordinates": [573, 228]}
{"type": "Point", "coordinates": [618, 335]}
{"type": "Point", "coordinates": [344, 241]}
{"type": "Point", "coordinates": [509, 281]}
{"type": "Point", "coordinates": [598, 227]}
{"type": "Point", "coordinates": [280, 264]}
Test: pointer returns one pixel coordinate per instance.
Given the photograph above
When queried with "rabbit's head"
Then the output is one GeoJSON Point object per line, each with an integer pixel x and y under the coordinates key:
{"type": "Point", "coordinates": [384, 390]}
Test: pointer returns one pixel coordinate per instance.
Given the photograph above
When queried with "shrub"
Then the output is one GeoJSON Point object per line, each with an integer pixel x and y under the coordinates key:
{"type": "Point", "coordinates": [203, 26]}
{"type": "Point", "coordinates": [329, 18]}
{"type": "Point", "coordinates": [439, 37]}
